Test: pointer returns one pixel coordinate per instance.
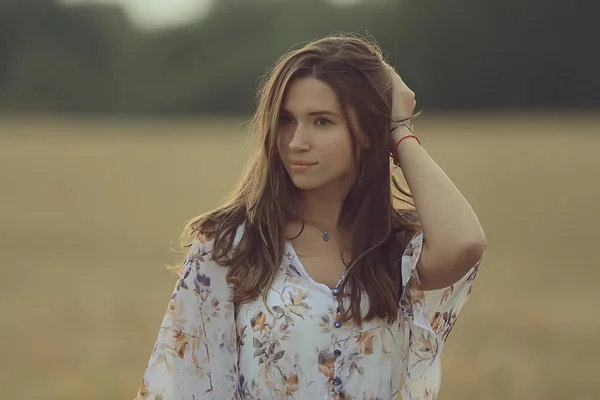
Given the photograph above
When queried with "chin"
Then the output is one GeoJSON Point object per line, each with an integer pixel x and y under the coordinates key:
{"type": "Point", "coordinates": [306, 183]}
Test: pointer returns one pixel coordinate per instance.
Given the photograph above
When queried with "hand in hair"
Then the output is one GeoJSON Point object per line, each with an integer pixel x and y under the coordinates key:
{"type": "Point", "coordinates": [403, 98]}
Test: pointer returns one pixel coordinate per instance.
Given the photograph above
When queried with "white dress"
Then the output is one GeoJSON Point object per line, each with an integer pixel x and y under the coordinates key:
{"type": "Point", "coordinates": [296, 349]}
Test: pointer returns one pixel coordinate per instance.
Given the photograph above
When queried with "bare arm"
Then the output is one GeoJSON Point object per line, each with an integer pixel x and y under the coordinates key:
{"type": "Point", "coordinates": [454, 239]}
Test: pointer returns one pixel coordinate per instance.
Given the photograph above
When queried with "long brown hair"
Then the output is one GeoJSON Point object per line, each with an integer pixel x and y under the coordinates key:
{"type": "Point", "coordinates": [380, 226]}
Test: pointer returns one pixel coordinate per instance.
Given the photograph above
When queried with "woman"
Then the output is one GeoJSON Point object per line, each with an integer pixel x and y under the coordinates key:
{"type": "Point", "coordinates": [311, 282]}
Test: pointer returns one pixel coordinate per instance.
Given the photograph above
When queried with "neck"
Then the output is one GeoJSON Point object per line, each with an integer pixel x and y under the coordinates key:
{"type": "Point", "coordinates": [322, 206]}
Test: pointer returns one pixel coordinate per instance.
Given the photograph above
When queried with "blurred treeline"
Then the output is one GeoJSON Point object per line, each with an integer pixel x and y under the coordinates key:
{"type": "Point", "coordinates": [454, 53]}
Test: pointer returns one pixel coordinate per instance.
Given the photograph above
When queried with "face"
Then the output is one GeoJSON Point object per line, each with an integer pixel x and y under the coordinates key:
{"type": "Point", "coordinates": [314, 140]}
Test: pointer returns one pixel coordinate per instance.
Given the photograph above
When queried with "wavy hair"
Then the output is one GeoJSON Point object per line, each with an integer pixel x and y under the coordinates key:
{"type": "Point", "coordinates": [377, 210]}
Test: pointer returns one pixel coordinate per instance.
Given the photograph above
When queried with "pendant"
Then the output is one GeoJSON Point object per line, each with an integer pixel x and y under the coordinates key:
{"type": "Point", "coordinates": [326, 236]}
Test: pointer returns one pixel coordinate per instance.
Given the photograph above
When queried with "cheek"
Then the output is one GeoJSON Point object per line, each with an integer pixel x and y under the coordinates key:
{"type": "Point", "coordinates": [340, 151]}
{"type": "Point", "coordinates": [283, 138]}
{"type": "Point", "coordinates": [281, 141]}
{"type": "Point", "coordinates": [348, 159]}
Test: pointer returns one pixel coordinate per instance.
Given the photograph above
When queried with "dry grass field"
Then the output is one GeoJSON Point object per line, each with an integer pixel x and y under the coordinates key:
{"type": "Point", "coordinates": [90, 210]}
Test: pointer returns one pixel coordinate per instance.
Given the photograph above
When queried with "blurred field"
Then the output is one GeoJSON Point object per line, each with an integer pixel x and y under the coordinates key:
{"type": "Point", "coordinates": [90, 209]}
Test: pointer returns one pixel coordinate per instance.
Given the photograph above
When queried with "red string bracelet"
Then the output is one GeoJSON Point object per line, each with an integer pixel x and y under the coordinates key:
{"type": "Point", "coordinates": [400, 141]}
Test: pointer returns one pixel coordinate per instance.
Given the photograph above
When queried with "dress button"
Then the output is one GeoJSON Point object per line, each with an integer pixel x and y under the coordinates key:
{"type": "Point", "coordinates": [337, 381]}
{"type": "Point", "coordinates": [337, 324]}
{"type": "Point", "coordinates": [336, 291]}
{"type": "Point", "coordinates": [337, 352]}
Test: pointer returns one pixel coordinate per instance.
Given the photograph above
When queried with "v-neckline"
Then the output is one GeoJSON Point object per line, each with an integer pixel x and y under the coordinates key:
{"type": "Point", "coordinates": [304, 271]}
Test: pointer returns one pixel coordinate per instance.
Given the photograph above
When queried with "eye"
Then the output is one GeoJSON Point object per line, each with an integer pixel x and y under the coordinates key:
{"type": "Point", "coordinates": [323, 122]}
{"type": "Point", "coordinates": [285, 119]}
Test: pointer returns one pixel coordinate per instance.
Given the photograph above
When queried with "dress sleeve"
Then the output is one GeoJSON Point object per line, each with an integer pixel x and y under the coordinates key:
{"type": "Point", "coordinates": [430, 317]}
{"type": "Point", "coordinates": [195, 353]}
{"type": "Point", "coordinates": [444, 305]}
{"type": "Point", "coordinates": [435, 309]}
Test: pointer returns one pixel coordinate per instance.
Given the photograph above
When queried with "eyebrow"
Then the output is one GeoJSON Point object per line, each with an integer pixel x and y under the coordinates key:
{"type": "Point", "coordinates": [313, 113]}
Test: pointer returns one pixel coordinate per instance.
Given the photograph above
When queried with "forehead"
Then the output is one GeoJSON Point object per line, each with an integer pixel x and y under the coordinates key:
{"type": "Point", "coordinates": [304, 95]}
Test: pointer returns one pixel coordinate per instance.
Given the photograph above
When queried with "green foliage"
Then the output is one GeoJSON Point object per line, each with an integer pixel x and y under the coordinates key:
{"type": "Point", "coordinates": [454, 53]}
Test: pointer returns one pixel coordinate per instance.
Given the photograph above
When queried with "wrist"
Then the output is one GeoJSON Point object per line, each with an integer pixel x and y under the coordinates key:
{"type": "Point", "coordinates": [405, 135]}
{"type": "Point", "coordinates": [401, 132]}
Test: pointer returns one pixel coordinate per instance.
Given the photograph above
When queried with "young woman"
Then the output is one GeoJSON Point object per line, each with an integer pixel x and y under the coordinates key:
{"type": "Point", "coordinates": [318, 279]}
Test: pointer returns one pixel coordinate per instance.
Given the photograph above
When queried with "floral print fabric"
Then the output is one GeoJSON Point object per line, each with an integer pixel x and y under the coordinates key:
{"type": "Point", "coordinates": [293, 347]}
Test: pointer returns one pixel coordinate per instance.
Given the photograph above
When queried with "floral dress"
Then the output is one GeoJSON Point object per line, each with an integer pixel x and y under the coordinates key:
{"type": "Point", "coordinates": [294, 347]}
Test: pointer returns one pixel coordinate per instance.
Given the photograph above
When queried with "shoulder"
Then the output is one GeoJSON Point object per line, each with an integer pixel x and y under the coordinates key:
{"type": "Point", "coordinates": [205, 241]}
{"type": "Point", "coordinates": [200, 273]}
{"type": "Point", "coordinates": [202, 248]}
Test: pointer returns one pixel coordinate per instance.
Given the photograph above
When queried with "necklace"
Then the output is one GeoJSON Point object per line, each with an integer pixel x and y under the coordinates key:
{"type": "Point", "coordinates": [325, 232]}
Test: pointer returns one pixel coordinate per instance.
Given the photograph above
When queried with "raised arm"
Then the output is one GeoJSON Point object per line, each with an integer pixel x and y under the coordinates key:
{"type": "Point", "coordinates": [454, 239]}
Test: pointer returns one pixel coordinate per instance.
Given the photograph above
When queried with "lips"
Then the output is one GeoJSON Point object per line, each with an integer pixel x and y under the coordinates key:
{"type": "Point", "coordinates": [300, 165]}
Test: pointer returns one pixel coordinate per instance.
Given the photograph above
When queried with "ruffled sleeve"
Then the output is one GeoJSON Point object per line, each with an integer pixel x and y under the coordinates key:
{"type": "Point", "coordinates": [195, 355]}
{"type": "Point", "coordinates": [430, 317]}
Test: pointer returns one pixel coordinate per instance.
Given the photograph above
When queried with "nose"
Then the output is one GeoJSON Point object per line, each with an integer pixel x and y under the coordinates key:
{"type": "Point", "coordinates": [300, 139]}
